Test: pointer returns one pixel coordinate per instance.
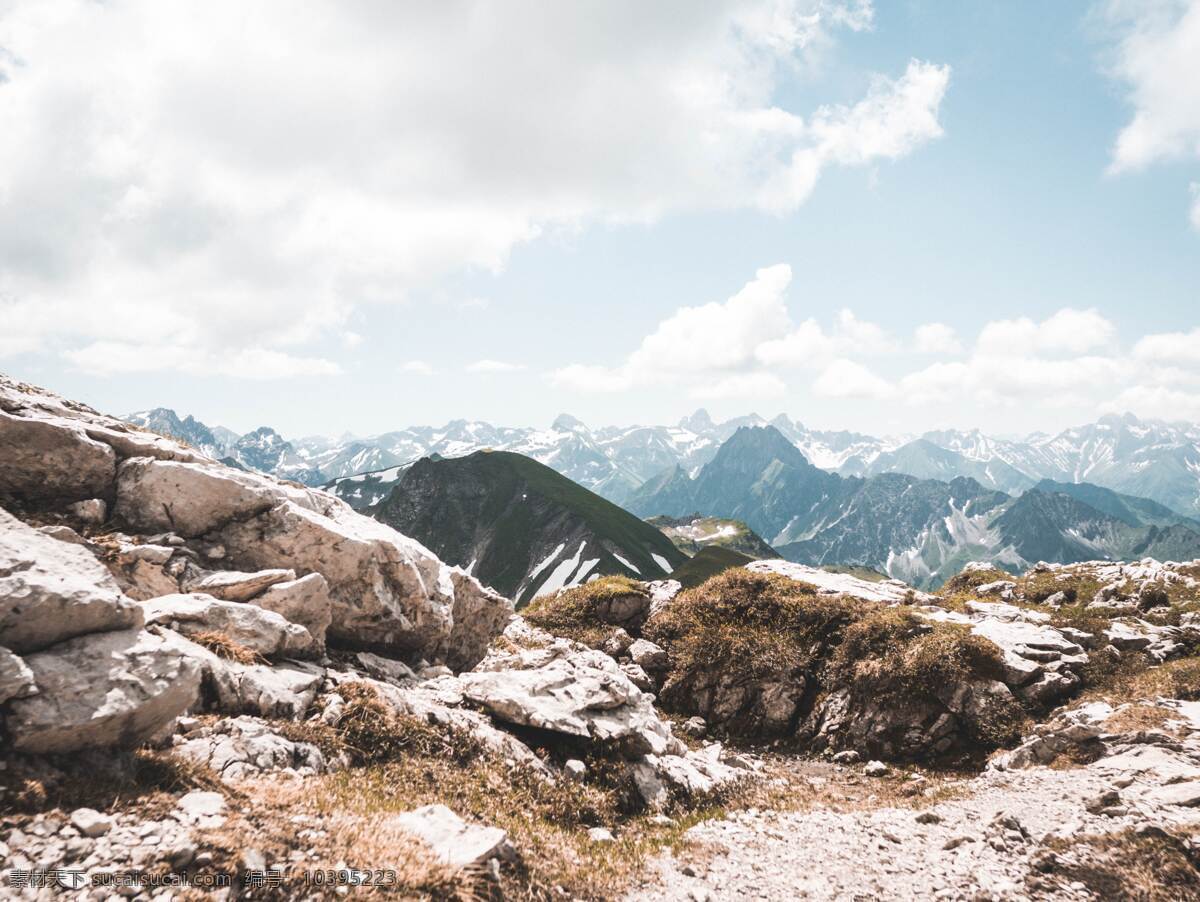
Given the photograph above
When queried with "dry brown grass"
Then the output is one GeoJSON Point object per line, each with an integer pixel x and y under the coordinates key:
{"type": "Point", "coordinates": [224, 647]}
{"type": "Point", "coordinates": [1137, 718]}
{"type": "Point", "coordinates": [1151, 865]}
{"type": "Point", "coordinates": [752, 627]}
{"type": "Point", "coordinates": [581, 613]}
{"type": "Point", "coordinates": [142, 780]}
{"type": "Point", "coordinates": [1132, 677]}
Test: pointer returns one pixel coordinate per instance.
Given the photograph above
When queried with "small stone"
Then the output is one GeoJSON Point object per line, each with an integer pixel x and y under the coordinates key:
{"type": "Point", "coordinates": [694, 726]}
{"type": "Point", "coordinates": [956, 841]}
{"type": "Point", "coordinates": [253, 860]}
{"type": "Point", "coordinates": [928, 817]}
{"type": "Point", "coordinates": [875, 769]}
{"type": "Point", "coordinates": [600, 834]}
{"type": "Point", "coordinates": [849, 756]}
{"type": "Point", "coordinates": [1106, 799]}
{"type": "Point", "coordinates": [575, 770]}
{"type": "Point", "coordinates": [90, 823]}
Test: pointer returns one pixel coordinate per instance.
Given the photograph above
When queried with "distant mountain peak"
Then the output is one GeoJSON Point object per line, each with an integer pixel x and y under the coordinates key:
{"type": "Point", "coordinates": [564, 422]}
{"type": "Point", "coordinates": [699, 421]}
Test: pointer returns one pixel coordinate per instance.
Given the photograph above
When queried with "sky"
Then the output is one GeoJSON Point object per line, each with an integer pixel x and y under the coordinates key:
{"type": "Point", "coordinates": [882, 216]}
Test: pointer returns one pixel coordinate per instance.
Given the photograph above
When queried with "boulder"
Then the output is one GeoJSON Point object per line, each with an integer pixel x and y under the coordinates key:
{"type": "Point", "coordinates": [688, 777]}
{"type": "Point", "coordinates": [233, 585]}
{"type": "Point", "coordinates": [46, 460]}
{"type": "Point", "coordinates": [387, 591]}
{"type": "Point", "coordinates": [188, 498]}
{"type": "Point", "coordinates": [106, 689]}
{"type": "Point", "coordinates": [16, 679]}
{"type": "Point", "coordinates": [240, 747]}
{"type": "Point", "coordinates": [92, 512]}
{"type": "Point", "coordinates": [304, 601]}
{"type": "Point", "coordinates": [52, 590]}
{"type": "Point", "coordinates": [648, 656]}
{"type": "Point", "coordinates": [258, 629]}
{"type": "Point", "coordinates": [454, 841]}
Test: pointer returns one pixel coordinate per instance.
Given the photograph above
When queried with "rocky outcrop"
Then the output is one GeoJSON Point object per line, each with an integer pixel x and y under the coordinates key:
{"type": "Point", "coordinates": [52, 590]}
{"type": "Point", "coordinates": [102, 690]}
{"type": "Point", "coordinates": [250, 626]}
{"type": "Point", "coordinates": [888, 591]}
{"type": "Point", "coordinates": [384, 590]}
{"type": "Point", "coordinates": [566, 688]}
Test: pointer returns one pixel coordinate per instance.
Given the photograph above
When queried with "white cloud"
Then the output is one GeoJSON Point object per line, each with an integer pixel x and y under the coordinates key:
{"type": "Point", "coordinates": [749, 386]}
{"type": "Point", "coordinates": [1068, 330]}
{"type": "Point", "coordinates": [846, 379]}
{"type": "Point", "coordinates": [494, 366]}
{"type": "Point", "coordinates": [223, 178]}
{"type": "Point", "coordinates": [1156, 57]}
{"type": "Point", "coordinates": [417, 368]}
{"type": "Point", "coordinates": [1170, 347]}
{"type": "Point", "coordinates": [936, 338]}
{"type": "Point", "coordinates": [351, 339]}
{"type": "Point", "coordinates": [109, 357]}
{"type": "Point", "coordinates": [1156, 401]}
{"type": "Point", "coordinates": [1196, 205]}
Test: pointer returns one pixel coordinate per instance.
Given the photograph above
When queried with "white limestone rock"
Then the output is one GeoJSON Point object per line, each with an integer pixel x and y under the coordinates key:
{"type": "Point", "coordinates": [16, 679]}
{"type": "Point", "coordinates": [52, 460]}
{"type": "Point", "coordinates": [454, 841]}
{"type": "Point", "coordinates": [101, 690]}
{"type": "Point", "coordinates": [258, 629]}
{"type": "Point", "coordinates": [567, 688]}
{"type": "Point", "coordinates": [51, 590]}
{"type": "Point", "coordinates": [234, 585]}
{"type": "Point", "coordinates": [304, 601]}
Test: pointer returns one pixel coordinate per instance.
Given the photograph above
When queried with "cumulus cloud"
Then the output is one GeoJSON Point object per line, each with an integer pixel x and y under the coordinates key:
{"type": "Point", "coordinates": [936, 338]}
{"type": "Point", "coordinates": [1156, 58]}
{"type": "Point", "coordinates": [847, 379]}
{"type": "Point", "coordinates": [104, 358]}
{"type": "Point", "coordinates": [741, 385]}
{"type": "Point", "coordinates": [1170, 347]}
{"type": "Point", "coordinates": [494, 366]}
{"type": "Point", "coordinates": [223, 178]}
{"type": "Point", "coordinates": [731, 348]}
{"type": "Point", "coordinates": [416, 368]}
{"type": "Point", "coordinates": [1067, 331]}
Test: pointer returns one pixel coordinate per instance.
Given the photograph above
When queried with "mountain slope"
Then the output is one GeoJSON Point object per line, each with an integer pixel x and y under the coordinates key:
{"type": "Point", "coordinates": [708, 562]}
{"type": "Point", "coordinates": [521, 527]}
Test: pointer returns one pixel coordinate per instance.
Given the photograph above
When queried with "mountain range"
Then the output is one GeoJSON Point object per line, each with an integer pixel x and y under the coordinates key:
{"type": "Point", "coordinates": [1148, 459]}
{"type": "Point", "coordinates": [919, 530]}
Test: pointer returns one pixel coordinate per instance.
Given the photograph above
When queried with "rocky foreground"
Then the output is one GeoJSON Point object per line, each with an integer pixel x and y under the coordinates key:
{"type": "Point", "coordinates": [217, 683]}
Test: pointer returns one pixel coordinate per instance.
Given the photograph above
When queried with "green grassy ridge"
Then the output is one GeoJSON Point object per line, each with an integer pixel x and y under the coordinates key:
{"type": "Point", "coordinates": [526, 508]}
{"type": "Point", "coordinates": [744, 539]}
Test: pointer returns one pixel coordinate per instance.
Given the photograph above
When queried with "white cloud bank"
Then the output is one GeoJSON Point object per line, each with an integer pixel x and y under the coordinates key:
{"type": "Point", "coordinates": [749, 347]}
{"type": "Point", "coordinates": [1156, 57]}
{"type": "Point", "coordinates": [222, 178]}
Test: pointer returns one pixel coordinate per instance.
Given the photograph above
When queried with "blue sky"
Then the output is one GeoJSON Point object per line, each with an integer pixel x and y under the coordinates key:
{"type": "Point", "coordinates": [532, 219]}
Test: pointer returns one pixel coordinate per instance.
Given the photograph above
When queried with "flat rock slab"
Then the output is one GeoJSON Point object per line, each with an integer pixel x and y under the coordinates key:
{"type": "Point", "coordinates": [234, 585]}
{"type": "Point", "coordinates": [454, 841]}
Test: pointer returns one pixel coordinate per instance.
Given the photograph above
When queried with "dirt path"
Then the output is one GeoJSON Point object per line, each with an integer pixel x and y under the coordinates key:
{"type": "Point", "coordinates": [1009, 835]}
